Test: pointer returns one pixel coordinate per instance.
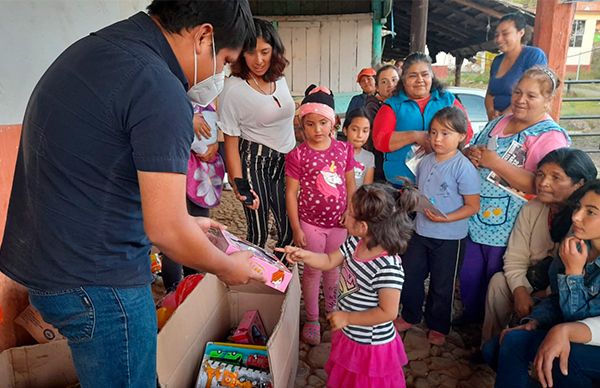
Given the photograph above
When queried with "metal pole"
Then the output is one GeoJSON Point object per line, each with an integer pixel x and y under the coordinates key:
{"type": "Point", "coordinates": [377, 27]}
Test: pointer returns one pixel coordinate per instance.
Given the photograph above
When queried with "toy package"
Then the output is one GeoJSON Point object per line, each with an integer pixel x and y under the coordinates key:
{"type": "Point", "coordinates": [276, 274]}
{"type": "Point", "coordinates": [233, 365]}
{"type": "Point", "coordinates": [250, 330]}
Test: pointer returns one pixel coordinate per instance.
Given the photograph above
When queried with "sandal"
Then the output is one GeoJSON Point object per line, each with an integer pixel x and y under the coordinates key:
{"type": "Point", "coordinates": [436, 338]}
{"type": "Point", "coordinates": [311, 333]}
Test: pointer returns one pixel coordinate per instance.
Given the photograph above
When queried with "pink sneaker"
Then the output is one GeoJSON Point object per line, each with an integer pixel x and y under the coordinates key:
{"type": "Point", "coordinates": [436, 338]}
{"type": "Point", "coordinates": [311, 333]}
{"type": "Point", "coordinates": [401, 325]}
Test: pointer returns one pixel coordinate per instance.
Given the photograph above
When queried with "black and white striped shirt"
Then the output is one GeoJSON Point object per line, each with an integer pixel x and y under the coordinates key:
{"type": "Point", "coordinates": [360, 282]}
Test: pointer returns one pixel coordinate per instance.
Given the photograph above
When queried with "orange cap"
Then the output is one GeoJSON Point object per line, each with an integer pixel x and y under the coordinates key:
{"type": "Point", "coordinates": [366, 71]}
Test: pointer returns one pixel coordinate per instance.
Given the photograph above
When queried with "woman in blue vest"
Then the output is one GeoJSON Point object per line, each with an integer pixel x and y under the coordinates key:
{"type": "Point", "coordinates": [403, 120]}
{"type": "Point", "coordinates": [528, 134]}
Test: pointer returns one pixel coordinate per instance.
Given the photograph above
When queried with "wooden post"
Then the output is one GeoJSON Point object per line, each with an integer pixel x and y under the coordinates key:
{"type": "Point", "coordinates": [418, 25]}
{"type": "Point", "coordinates": [457, 71]}
{"type": "Point", "coordinates": [552, 31]}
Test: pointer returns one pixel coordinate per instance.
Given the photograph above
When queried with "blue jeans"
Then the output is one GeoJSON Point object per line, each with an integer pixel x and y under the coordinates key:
{"type": "Point", "coordinates": [518, 350]}
{"type": "Point", "coordinates": [111, 332]}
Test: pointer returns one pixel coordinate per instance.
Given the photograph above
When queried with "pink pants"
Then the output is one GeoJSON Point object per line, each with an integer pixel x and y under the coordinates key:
{"type": "Point", "coordinates": [321, 240]}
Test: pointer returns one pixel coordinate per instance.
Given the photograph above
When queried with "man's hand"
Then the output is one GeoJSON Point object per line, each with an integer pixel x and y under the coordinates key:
{"type": "Point", "coordinates": [239, 270]}
{"type": "Point", "coordinates": [206, 223]}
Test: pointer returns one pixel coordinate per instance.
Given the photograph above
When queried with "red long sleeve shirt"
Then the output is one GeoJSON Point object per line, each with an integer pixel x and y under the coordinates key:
{"type": "Point", "coordinates": [385, 124]}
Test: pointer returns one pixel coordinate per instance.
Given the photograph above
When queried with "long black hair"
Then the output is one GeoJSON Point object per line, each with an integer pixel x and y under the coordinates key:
{"type": "Point", "coordinates": [580, 168]}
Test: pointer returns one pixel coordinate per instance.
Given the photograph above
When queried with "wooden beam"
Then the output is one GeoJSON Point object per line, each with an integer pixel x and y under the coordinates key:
{"type": "Point", "coordinates": [553, 24]}
{"type": "Point", "coordinates": [457, 70]}
{"type": "Point", "coordinates": [418, 25]}
{"type": "Point", "coordinates": [448, 29]}
{"type": "Point", "coordinates": [488, 11]}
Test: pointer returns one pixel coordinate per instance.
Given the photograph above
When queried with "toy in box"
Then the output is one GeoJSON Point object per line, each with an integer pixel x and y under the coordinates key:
{"type": "Point", "coordinates": [250, 330]}
{"type": "Point", "coordinates": [234, 365]}
{"type": "Point", "coordinates": [276, 274]}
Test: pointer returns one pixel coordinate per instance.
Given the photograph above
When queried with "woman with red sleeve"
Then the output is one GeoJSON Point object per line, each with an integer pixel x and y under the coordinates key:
{"type": "Point", "coordinates": [403, 120]}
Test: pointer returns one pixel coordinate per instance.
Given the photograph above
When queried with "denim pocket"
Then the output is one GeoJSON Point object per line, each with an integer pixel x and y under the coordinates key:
{"type": "Point", "coordinates": [71, 312]}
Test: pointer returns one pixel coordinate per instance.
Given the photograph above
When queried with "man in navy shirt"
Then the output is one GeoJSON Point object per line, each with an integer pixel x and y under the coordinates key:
{"type": "Point", "coordinates": [101, 173]}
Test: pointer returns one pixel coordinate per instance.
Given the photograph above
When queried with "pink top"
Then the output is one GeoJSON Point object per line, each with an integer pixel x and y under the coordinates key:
{"type": "Point", "coordinates": [322, 177]}
{"type": "Point", "coordinates": [536, 147]}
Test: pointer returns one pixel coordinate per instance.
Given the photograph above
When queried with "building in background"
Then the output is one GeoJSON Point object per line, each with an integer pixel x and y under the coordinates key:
{"type": "Point", "coordinates": [581, 45]}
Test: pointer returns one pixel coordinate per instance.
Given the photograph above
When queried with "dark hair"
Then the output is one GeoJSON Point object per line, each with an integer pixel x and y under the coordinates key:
{"type": "Point", "coordinates": [386, 211]}
{"type": "Point", "coordinates": [354, 113]}
{"type": "Point", "coordinates": [515, 17]}
{"type": "Point", "coordinates": [579, 167]}
{"type": "Point", "coordinates": [520, 24]}
{"type": "Point", "coordinates": [231, 20]}
{"type": "Point", "coordinates": [576, 164]}
{"type": "Point", "coordinates": [382, 69]}
{"type": "Point", "coordinates": [410, 60]}
{"type": "Point", "coordinates": [267, 32]}
{"type": "Point", "coordinates": [452, 117]}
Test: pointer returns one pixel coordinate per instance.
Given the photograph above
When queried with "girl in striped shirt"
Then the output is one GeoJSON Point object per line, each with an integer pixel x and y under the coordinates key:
{"type": "Point", "coordinates": [366, 350]}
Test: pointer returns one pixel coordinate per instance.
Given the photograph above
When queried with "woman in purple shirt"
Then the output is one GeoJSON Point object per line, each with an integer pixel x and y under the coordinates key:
{"type": "Point", "coordinates": [509, 66]}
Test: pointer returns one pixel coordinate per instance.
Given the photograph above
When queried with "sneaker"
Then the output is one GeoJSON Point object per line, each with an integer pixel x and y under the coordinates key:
{"type": "Point", "coordinates": [401, 325]}
{"type": "Point", "coordinates": [436, 338]}
{"type": "Point", "coordinates": [227, 186]}
{"type": "Point", "coordinates": [311, 333]}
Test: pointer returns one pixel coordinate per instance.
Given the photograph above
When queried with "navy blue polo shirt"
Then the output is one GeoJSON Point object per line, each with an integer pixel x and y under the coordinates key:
{"type": "Point", "coordinates": [112, 104]}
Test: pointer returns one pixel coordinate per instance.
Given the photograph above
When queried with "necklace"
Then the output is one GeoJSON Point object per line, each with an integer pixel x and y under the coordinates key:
{"type": "Point", "coordinates": [265, 93]}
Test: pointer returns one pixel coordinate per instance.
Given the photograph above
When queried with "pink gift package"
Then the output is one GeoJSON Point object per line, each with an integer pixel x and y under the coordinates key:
{"type": "Point", "coordinates": [276, 274]}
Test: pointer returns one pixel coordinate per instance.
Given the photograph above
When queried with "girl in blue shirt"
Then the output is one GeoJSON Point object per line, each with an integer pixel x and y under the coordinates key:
{"type": "Point", "coordinates": [451, 183]}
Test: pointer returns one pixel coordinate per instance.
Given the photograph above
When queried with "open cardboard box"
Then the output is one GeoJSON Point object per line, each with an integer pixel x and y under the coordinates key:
{"type": "Point", "coordinates": [39, 366]}
{"type": "Point", "coordinates": [211, 311]}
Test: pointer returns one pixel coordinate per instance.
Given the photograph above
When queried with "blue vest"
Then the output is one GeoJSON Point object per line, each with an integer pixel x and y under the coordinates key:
{"type": "Point", "coordinates": [410, 118]}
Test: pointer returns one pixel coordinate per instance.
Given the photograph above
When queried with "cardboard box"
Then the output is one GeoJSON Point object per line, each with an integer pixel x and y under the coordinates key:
{"type": "Point", "coordinates": [276, 274]}
{"type": "Point", "coordinates": [39, 366]}
{"type": "Point", "coordinates": [211, 311]}
{"type": "Point", "coordinates": [31, 320]}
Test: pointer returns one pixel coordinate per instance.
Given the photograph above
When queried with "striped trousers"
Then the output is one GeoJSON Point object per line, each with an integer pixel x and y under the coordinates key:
{"type": "Point", "coordinates": [265, 170]}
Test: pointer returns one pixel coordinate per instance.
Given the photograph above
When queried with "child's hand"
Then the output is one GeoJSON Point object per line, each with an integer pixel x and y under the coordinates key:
{"type": "Point", "coordinates": [573, 253]}
{"type": "Point", "coordinates": [434, 217]}
{"type": "Point", "coordinates": [293, 254]}
{"type": "Point", "coordinates": [299, 239]}
{"type": "Point", "coordinates": [338, 319]}
{"type": "Point", "coordinates": [201, 128]}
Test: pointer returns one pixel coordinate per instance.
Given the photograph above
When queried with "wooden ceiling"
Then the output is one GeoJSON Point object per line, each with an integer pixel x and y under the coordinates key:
{"type": "Point", "coordinates": [459, 27]}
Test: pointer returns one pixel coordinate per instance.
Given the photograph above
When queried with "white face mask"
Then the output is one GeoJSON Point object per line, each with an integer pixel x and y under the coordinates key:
{"type": "Point", "coordinates": [205, 91]}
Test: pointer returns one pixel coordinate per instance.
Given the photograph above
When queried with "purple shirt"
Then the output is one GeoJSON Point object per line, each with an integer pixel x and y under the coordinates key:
{"type": "Point", "coordinates": [322, 177]}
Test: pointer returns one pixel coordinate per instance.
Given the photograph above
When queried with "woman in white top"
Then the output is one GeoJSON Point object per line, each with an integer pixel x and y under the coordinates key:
{"type": "Point", "coordinates": [256, 113]}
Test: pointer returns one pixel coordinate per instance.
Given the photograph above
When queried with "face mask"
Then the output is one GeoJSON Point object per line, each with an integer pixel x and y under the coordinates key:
{"type": "Point", "coordinates": [205, 91]}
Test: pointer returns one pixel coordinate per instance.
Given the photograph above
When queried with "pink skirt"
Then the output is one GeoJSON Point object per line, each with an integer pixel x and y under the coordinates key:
{"type": "Point", "coordinates": [352, 364]}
